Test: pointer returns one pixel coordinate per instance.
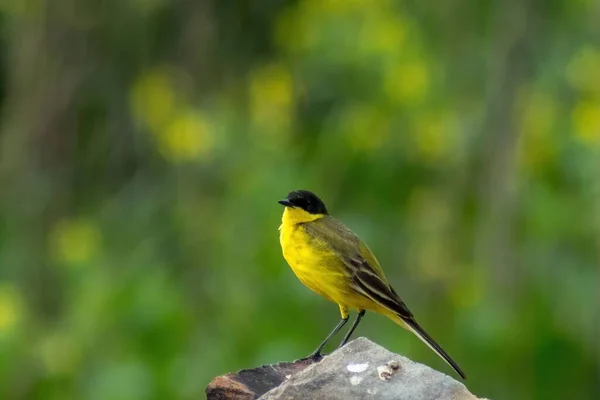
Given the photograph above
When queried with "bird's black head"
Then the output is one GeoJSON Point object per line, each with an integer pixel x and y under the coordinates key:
{"type": "Point", "coordinates": [306, 200]}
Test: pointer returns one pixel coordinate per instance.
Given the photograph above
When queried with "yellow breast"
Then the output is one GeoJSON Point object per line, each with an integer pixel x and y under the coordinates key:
{"type": "Point", "coordinates": [317, 266]}
{"type": "Point", "coordinates": [311, 264]}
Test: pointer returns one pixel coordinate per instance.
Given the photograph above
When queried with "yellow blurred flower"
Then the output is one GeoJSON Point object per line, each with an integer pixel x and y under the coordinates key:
{"type": "Point", "coordinates": [271, 98]}
{"type": "Point", "coordinates": [434, 135]}
{"type": "Point", "coordinates": [407, 83]}
{"type": "Point", "coordinates": [583, 70]}
{"type": "Point", "coordinates": [586, 122]}
{"type": "Point", "coordinates": [153, 99]}
{"type": "Point", "coordinates": [538, 112]}
{"type": "Point", "coordinates": [365, 127]}
{"type": "Point", "coordinates": [376, 26]}
{"type": "Point", "coordinates": [187, 137]}
{"type": "Point", "coordinates": [381, 33]}
{"type": "Point", "coordinates": [11, 307]}
{"type": "Point", "coordinates": [180, 135]}
{"type": "Point", "coordinates": [75, 241]}
{"type": "Point", "coordinates": [60, 353]}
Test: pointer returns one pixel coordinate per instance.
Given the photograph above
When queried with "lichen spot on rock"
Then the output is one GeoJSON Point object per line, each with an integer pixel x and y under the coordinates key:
{"type": "Point", "coordinates": [357, 368]}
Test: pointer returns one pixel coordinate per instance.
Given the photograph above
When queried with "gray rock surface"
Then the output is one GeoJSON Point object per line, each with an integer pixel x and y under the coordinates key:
{"type": "Point", "coordinates": [365, 370]}
{"type": "Point", "coordinates": [359, 370]}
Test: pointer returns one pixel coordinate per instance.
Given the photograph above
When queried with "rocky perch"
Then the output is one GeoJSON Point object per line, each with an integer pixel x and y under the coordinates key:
{"type": "Point", "coordinates": [359, 370]}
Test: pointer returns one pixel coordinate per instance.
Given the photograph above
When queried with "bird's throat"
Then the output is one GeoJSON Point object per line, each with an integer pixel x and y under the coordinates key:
{"type": "Point", "coordinates": [293, 216]}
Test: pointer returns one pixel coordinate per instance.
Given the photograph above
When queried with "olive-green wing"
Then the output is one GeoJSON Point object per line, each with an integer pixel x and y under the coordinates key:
{"type": "Point", "coordinates": [367, 276]}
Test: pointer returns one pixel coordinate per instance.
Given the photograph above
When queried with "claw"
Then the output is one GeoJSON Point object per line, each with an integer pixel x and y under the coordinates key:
{"type": "Point", "coordinates": [314, 357]}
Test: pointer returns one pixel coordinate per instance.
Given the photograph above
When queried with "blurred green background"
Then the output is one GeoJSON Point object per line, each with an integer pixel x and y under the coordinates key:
{"type": "Point", "coordinates": [144, 144]}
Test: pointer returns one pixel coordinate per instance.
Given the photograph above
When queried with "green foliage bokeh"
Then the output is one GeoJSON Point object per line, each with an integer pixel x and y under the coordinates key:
{"type": "Point", "coordinates": [144, 145]}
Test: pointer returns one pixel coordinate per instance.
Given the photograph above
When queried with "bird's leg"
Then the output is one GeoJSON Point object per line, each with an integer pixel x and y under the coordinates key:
{"type": "Point", "coordinates": [361, 314]}
{"type": "Point", "coordinates": [316, 355]}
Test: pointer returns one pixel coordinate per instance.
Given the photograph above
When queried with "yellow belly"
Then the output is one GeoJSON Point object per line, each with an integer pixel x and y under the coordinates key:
{"type": "Point", "coordinates": [317, 268]}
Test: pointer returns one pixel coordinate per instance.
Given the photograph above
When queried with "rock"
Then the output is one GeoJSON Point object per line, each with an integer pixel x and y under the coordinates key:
{"type": "Point", "coordinates": [252, 383]}
{"type": "Point", "coordinates": [359, 370]}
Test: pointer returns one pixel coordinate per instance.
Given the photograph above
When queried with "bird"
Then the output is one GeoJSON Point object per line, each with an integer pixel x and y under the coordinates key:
{"type": "Point", "coordinates": [331, 260]}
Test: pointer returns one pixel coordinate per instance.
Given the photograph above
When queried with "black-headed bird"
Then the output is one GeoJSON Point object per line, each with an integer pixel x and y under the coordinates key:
{"type": "Point", "coordinates": [332, 261]}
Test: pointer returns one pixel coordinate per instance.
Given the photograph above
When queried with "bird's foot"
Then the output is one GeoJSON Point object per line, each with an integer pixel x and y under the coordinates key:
{"type": "Point", "coordinates": [313, 357]}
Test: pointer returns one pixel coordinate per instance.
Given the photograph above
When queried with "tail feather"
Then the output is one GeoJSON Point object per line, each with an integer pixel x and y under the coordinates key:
{"type": "Point", "coordinates": [371, 284]}
{"type": "Point", "coordinates": [415, 328]}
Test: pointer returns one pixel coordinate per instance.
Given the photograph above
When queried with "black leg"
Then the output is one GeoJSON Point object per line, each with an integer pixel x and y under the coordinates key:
{"type": "Point", "coordinates": [316, 355]}
{"type": "Point", "coordinates": [352, 328]}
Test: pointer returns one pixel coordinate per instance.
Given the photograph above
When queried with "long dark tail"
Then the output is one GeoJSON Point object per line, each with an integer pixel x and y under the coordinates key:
{"type": "Point", "coordinates": [371, 284]}
{"type": "Point", "coordinates": [412, 325]}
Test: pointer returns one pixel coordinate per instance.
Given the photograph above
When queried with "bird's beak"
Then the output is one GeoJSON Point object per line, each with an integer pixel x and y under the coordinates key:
{"type": "Point", "coordinates": [286, 202]}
